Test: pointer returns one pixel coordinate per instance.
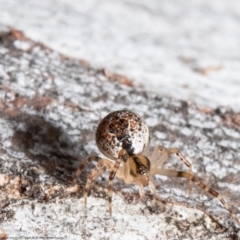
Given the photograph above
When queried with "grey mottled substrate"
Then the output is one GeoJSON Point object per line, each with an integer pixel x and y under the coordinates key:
{"type": "Point", "coordinates": [50, 108]}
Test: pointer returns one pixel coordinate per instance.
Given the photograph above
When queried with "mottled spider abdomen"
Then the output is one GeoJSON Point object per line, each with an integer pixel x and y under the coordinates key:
{"type": "Point", "coordinates": [122, 130]}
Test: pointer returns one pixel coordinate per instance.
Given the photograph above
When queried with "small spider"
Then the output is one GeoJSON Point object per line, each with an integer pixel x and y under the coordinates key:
{"type": "Point", "coordinates": [123, 137]}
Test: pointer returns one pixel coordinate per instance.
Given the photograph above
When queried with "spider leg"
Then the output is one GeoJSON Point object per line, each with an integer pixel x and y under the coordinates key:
{"type": "Point", "coordinates": [141, 190]}
{"type": "Point", "coordinates": [180, 156]}
{"type": "Point", "coordinates": [160, 155]}
{"type": "Point", "coordinates": [122, 157]}
{"type": "Point", "coordinates": [191, 177]}
{"type": "Point", "coordinates": [152, 186]}
{"type": "Point", "coordinates": [96, 172]}
{"type": "Point", "coordinates": [183, 160]}
{"type": "Point", "coordinates": [83, 165]}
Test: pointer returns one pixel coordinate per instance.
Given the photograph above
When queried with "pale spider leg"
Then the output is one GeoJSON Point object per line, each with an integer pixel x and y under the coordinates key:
{"type": "Point", "coordinates": [160, 155]}
{"type": "Point", "coordinates": [191, 177]}
{"type": "Point", "coordinates": [83, 165]}
{"type": "Point", "coordinates": [122, 156]}
{"type": "Point", "coordinates": [96, 172]}
{"type": "Point", "coordinates": [152, 186]}
{"type": "Point", "coordinates": [184, 161]}
{"type": "Point", "coordinates": [141, 190]}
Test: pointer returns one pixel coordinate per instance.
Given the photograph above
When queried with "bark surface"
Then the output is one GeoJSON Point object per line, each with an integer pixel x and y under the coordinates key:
{"type": "Point", "coordinates": [50, 107]}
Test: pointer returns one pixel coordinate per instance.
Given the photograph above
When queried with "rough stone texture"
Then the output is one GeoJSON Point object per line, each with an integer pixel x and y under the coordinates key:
{"type": "Point", "coordinates": [50, 107]}
{"type": "Point", "coordinates": [186, 49]}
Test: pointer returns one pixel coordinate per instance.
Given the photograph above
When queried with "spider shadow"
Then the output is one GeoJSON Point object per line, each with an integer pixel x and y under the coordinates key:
{"type": "Point", "coordinates": [47, 145]}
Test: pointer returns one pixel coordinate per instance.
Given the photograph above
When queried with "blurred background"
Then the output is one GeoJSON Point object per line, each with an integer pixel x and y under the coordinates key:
{"type": "Point", "coordinates": [185, 49]}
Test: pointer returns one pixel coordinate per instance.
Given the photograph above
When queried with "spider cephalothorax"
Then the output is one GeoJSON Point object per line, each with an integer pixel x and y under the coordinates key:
{"type": "Point", "coordinates": [123, 137]}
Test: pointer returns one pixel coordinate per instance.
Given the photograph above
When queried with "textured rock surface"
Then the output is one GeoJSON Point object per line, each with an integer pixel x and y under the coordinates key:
{"type": "Point", "coordinates": [50, 107]}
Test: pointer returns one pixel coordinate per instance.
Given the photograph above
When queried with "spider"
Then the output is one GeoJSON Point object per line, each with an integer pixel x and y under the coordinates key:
{"type": "Point", "coordinates": [123, 137]}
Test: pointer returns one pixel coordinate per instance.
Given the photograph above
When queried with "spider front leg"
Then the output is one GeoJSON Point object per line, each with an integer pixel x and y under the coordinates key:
{"type": "Point", "coordinates": [191, 177]}
{"type": "Point", "coordinates": [161, 155]}
{"type": "Point", "coordinates": [151, 187]}
{"type": "Point", "coordinates": [181, 157]}
{"type": "Point", "coordinates": [183, 160]}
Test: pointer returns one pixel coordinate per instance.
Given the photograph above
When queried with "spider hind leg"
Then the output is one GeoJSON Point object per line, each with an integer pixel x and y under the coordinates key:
{"type": "Point", "coordinates": [103, 165]}
{"type": "Point", "coordinates": [191, 177]}
{"type": "Point", "coordinates": [83, 165]}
